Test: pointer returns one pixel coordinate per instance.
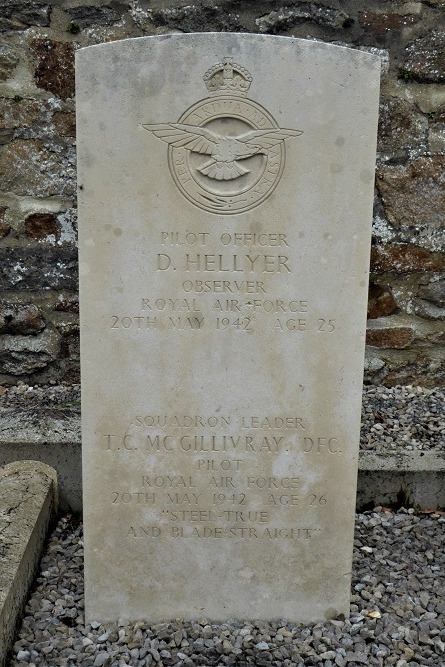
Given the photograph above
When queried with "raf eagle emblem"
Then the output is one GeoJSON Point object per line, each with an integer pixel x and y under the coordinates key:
{"type": "Point", "coordinates": [226, 152]}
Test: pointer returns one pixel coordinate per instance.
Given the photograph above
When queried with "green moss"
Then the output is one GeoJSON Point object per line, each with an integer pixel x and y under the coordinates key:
{"type": "Point", "coordinates": [403, 498]}
{"type": "Point", "coordinates": [70, 404]}
{"type": "Point", "coordinates": [404, 75]}
{"type": "Point", "coordinates": [73, 28]}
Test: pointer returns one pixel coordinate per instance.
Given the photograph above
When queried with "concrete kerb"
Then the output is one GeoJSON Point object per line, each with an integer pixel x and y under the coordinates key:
{"type": "Point", "coordinates": [51, 436]}
{"type": "Point", "coordinates": [28, 503]}
{"type": "Point", "coordinates": [412, 478]}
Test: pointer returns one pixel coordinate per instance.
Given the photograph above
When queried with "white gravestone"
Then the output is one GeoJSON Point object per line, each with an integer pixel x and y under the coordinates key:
{"type": "Point", "coordinates": [226, 186]}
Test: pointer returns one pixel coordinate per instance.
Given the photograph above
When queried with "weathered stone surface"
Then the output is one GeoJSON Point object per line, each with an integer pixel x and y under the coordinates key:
{"type": "Point", "coordinates": [437, 338]}
{"type": "Point", "coordinates": [69, 365]}
{"type": "Point", "coordinates": [286, 17]}
{"type": "Point", "coordinates": [401, 128]}
{"type": "Point", "coordinates": [86, 15]}
{"type": "Point", "coordinates": [19, 113]}
{"type": "Point", "coordinates": [439, 116]}
{"type": "Point", "coordinates": [38, 268]}
{"type": "Point", "coordinates": [53, 435]}
{"type": "Point", "coordinates": [404, 287]}
{"type": "Point", "coordinates": [436, 137]}
{"type": "Point", "coordinates": [426, 237]}
{"type": "Point", "coordinates": [196, 18]}
{"type": "Point", "coordinates": [428, 310]}
{"type": "Point", "coordinates": [22, 355]}
{"type": "Point", "coordinates": [67, 305]}
{"type": "Point", "coordinates": [16, 318]}
{"type": "Point", "coordinates": [6, 136]}
{"type": "Point", "coordinates": [381, 301]}
{"type": "Point", "coordinates": [31, 119]}
{"type": "Point", "coordinates": [67, 221]}
{"type": "Point", "coordinates": [373, 363]}
{"type": "Point", "coordinates": [39, 225]}
{"type": "Point", "coordinates": [5, 227]}
{"type": "Point", "coordinates": [237, 359]}
{"type": "Point", "coordinates": [65, 123]}
{"type": "Point", "coordinates": [423, 373]}
{"type": "Point", "coordinates": [20, 14]}
{"type": "Point", "coordinates": [67, 324]}
{"type": "Point", "coordinates": [381, 23]}
{"type": "Point", "coordinates": [414, 195]}
{"type": "Point", "coordinates": [404, 258]}
{"type": "Point", "coordinates": [55, 66]}
{"type": "Point", "coordinates": [427, 97]}
{"type": "Point", "coordinates": [9, 60]}
{"type": "Point", "coordinates": [390, 337]}
{"type": "Point", "coordinates": [28, 504]}
{"type": "Point", "coordinates": [425, 58]}
{"type": "Point", "coordinates": [434, 292]}
{"type": "Point", "coordinates": [27, 168]}
{"type": "Point", "coordinates": [70, 347]}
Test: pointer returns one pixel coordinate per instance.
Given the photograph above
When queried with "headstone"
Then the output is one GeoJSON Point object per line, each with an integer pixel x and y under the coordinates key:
{"type": "Point", "coordinates": [226, 186]}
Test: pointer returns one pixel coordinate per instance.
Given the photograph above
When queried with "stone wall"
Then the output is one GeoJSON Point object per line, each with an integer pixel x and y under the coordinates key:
{"type": "Point", "coordinates": [38, 261]}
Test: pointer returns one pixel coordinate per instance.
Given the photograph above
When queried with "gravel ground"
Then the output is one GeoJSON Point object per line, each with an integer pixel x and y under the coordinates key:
{"type": "Point", "coordinates": [397, 612]}
{"type": "Point", "coordinates": [410, 418]}
{"type": "Point", "coordinates": [403, 417]}
{"type": "Point", "coordinates": [23, 396]}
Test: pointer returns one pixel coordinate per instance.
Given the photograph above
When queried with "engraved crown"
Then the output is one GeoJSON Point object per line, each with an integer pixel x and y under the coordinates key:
{"type": "Point", "coordinates": [228, 78]}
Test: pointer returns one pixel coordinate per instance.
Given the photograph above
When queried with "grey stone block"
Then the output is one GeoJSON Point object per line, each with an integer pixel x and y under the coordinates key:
{"type": "Point", "coordinates": [38, 268]}
{"type": "Point", "coordinates": [51, 436]}
{"type": "Point", "coordinates": [28, 501]}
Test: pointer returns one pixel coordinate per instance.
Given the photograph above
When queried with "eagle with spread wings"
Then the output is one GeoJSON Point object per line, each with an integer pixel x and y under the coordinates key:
{"type": "Point", "coordinates": [225, 152]}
